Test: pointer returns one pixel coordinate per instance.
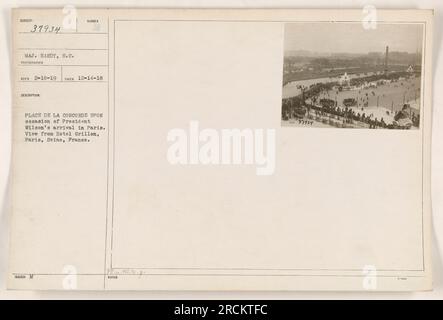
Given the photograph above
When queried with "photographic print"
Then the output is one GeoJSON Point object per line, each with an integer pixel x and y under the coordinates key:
{"type": "Point", "coordinates": [343, 75]}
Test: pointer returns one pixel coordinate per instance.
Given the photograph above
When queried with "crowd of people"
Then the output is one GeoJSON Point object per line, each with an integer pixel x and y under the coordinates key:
{"type": "Point", "coordinates": [351, 117]}
{"type": "Point", "coordinates": [301, 106]}
{"type": "Point", "coordinates": [348, 116]}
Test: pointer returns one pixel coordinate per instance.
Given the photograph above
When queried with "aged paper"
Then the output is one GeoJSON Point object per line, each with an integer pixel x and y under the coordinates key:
{"type": "Point", "coordinates": [221, 149]}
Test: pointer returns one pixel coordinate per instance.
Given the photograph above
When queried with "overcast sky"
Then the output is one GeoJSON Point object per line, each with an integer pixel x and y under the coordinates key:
{"type": "Point", "coordinates": [352, 37]}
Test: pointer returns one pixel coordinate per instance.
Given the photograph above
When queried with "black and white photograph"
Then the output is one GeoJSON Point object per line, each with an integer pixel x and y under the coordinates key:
{"type": "Point", "coordinates": [190, 154]}
{"type": "Point", "coordinates": [352, 75]}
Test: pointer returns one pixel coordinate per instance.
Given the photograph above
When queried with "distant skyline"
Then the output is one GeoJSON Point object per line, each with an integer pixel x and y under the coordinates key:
{"type": "Point", "coordinates": [338, 37]}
